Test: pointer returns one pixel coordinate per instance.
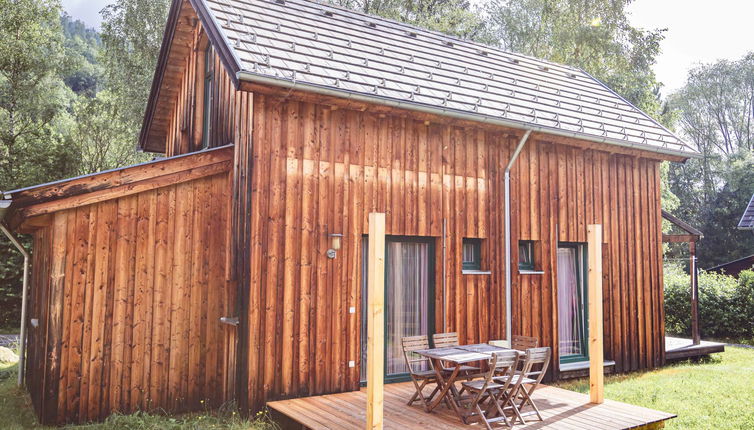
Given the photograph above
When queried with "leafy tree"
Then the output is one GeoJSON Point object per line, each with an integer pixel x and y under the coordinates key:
{"type": "Point", "coordinates": [715, 113]}
{"type": "Point", "coordinates": [82, 46]}
{"type": "Point", "coordinates": [595, 36]}
{"type": "Point", "coordinates": [32, 96]}
{"type": "Point", "coordinates": [104, 141]}
{"type": "Point", "coordinates": [132, 34]}
{"type": "Point", "coordinates": [33, 117]}
{"type": "Point", "coordinates": [453, 17]}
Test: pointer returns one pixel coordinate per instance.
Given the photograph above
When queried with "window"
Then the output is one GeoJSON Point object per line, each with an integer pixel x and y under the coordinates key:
{"type": "Point", "coordinates": [472, 254]}
{"type": "Point", "coordinates": [209, 72]}
{"type": "Point", "coordinates": [525, 255]}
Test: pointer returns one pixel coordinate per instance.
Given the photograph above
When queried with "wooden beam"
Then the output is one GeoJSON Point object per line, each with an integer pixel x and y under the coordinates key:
{"type": "Point", "coordinates": [375, 320]}
{"type": "Point", "coordinates": [596, 352]}
{"type": "Point", "coordinates": [696, 337]}
{"type": "Point", "coordinates": [679, 238]}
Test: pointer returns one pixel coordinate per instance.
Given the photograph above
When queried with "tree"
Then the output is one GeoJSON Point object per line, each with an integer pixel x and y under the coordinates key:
{"type": "Point", "coordinates": [82, 47]}
{"type": "Point", "coordinates": [103, 141]}
{"type": "Point", "coordinates": [453, 17]}
{"type": "Point", "coordinates": [715, 113]}
{"type": "Point", "coordinates": [132, 34]}
{"type": "Point", "coordinates": [33, 99]}
{"type": "Point", "coordinates": [595, 36]}
{"type": "Point", "coordinates": [33, 118]}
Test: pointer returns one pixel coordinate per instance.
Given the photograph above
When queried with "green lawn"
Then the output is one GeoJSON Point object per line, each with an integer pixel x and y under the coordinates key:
{"type": "Point", "coordinates": [717, 393]}
{"type": "Point", "coordinates": [16, 413]}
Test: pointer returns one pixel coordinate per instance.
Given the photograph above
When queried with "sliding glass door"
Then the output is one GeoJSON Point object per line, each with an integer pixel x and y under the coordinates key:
{"type": "Point", "coordinates": [409, 299]}
{"type": "Point", "coordinates": [572, 304]}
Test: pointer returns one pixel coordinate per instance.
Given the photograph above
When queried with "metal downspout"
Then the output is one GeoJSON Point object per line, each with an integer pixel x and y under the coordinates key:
{"type": "Point", "coordinates": [4, 205]}
{"type": "Point", "coordinates": [508, 277]}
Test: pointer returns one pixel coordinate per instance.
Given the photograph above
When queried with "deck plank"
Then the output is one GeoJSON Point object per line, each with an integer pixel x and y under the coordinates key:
{"type": "Point", "coordinates": [677, 348]}
{"type": "Point", "coordinates": [561, 409]}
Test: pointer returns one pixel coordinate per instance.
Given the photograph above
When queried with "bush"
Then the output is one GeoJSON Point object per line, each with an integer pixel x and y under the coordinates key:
{"type": "Point", "coordinates": [726, 304]}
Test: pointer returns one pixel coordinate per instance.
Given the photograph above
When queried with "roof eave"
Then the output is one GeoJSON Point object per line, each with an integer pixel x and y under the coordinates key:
{"type": "Point", "coordinates": [244, 75]}
{"type": "Point", "coordinates": [216, 38]}
{"type": "Point", "coordinates": [162, 60]}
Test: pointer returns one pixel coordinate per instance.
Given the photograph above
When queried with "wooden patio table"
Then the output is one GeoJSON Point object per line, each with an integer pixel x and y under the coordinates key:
{"type": "Point", "coordinates": [458, 356]}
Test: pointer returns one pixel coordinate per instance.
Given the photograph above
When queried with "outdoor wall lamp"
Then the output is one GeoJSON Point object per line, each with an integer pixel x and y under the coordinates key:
{"type": "Point", "coordinates": [334, 244]}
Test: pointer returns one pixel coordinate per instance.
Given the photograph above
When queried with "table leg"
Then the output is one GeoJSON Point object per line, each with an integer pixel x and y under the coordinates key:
{"type": "Point", "coordinates": [448, 388]}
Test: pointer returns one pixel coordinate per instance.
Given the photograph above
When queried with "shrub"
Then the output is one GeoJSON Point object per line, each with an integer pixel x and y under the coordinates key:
{"type": "Point", "coordinates": [726, 304]}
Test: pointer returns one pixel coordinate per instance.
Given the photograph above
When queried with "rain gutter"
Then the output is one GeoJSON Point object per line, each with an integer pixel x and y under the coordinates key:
{"type": "Point", "coordinates": [344, 94]}
{"type": "Point", "coordinates": [508, 277]}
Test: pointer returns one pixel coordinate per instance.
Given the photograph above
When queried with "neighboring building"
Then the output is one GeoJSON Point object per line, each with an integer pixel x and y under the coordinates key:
{"type": "Point", "coordinates": [285, 124]}
{"type": "Point", "coordinates": [747, 219]}
{"type": "Point", "coordinates": [733, 268]}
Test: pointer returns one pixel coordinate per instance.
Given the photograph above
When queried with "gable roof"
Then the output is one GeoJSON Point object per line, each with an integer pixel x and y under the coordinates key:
{"type": "Point", "coordinates": [747, 219]}
{"type": "Point", "coordinates": [329, 50]}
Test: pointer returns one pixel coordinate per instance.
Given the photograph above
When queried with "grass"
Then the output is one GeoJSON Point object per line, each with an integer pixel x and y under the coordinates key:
{"type": "Point", "coordinates": [717, 392]}
{"type": "Point", "coordinates": [16, 413]}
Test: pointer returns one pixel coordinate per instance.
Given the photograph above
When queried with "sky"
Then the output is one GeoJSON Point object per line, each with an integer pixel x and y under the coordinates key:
{"type": "Point", "coordinates": [698, 31]}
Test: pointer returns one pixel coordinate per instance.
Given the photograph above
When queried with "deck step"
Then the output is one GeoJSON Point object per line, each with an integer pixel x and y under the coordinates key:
{"type": "Point", "coordinates": [582, 365]}
{"type": "Point", "coordinates": [580, 369]}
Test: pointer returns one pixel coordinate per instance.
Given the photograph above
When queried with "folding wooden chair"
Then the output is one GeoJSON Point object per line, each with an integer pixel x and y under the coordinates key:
{"type": "Point", "coordinates": [444, 340]}
{"type": "Point", "coordinates": [420, 377]}
{"type": "Point", "coordinates": [522, 343]}
{"type": "Point", "coordinates": [532, 371]}
{"type": "Point", "coordinates": [488, 397]}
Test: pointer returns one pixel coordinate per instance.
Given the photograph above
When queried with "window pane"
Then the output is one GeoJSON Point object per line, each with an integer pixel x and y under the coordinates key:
{"type": "Point", "coordinates": [468, 253]}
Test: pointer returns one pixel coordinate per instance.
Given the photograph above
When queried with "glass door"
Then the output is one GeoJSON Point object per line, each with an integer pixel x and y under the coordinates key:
{"type": "Point", "coordinates": [409, 299]}
{"type": "Point", "coordinates": [572, 309]}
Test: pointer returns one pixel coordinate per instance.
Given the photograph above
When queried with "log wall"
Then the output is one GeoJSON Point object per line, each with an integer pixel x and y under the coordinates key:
{"type": "Point", "coordinates": [319, 170]}
{"type": "Point", "coordinates": [128, 293]}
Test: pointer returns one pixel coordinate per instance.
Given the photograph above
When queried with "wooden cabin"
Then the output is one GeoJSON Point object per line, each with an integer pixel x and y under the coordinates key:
{"type": "Point", "coordinates": [233, 269]}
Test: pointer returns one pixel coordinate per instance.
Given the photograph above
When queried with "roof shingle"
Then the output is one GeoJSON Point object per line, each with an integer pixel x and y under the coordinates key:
{"type": "Point", "coordinates": [326, 47]}
{"type": "Point", "coordinates": [747, 219]}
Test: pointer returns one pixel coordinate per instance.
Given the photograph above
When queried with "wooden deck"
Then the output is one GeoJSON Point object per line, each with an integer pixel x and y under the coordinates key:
{"type": "Point", "coordinates": [677, 348]}
{"type": "Point", "coordinates": [562, 409]}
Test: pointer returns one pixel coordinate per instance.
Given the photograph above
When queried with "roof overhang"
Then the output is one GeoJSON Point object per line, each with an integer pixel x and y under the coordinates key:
{"type": "Point", "coordinates": [245, 76]}
{"type": "Point", "coordinates": [692, 234]}
{"type": "Point", "coordinates": [44, 199]}
{"type": "Point", "coordinates": [181, 22]}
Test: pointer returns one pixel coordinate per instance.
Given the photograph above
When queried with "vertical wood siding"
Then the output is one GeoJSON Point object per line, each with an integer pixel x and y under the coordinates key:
{"type": "Point", "coordinates": [185, 124]}
{"type": "Point", "coordinates": [128, 293]}
{"type": "Point", "coordinates": [318, 170]}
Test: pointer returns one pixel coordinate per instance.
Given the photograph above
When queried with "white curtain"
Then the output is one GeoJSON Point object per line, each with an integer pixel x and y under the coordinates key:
{"type": "Point", "coordinates": [407, 304]}
{"type": "Point", "coordinates": [569, 301]}
{"type": "Point", "coordinates": [407, 300]}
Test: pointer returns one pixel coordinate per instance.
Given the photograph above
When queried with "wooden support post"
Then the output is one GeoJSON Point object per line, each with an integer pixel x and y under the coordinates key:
{"type": "Point", "coordinates": [375, 320]}
{"type": "Point", "coordinates": [596, 353]}
{"type": "Point", "coordinates": [694, 295]}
